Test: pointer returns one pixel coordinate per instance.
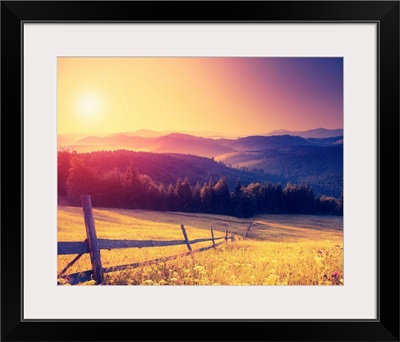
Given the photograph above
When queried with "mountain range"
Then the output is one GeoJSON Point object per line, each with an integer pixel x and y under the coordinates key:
{"type": "Point", "coordinates": [145, 140]}
{"type": "Point", "coordinates": [277, 158]}
{"type": "Point", "coordinates": [312, 133]}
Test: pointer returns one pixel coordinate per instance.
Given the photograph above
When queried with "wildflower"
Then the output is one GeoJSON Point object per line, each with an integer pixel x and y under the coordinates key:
{"type": "Point", "coordinates": [148, 282]}
{"type": "Point", "coordinates": [319, 251]}
{"type": "Point", "coordinates": [327, 253]}
{"type": "Point", "coordinates": [335, 275]}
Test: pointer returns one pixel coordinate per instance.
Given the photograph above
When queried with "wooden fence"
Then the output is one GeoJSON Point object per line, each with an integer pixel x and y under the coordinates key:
{"type": "Point", "coordinates": [93, 245]}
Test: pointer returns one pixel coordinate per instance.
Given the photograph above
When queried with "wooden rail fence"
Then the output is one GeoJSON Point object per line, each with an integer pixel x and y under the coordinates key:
{"type": "Point", "coordinates": [93, 245]}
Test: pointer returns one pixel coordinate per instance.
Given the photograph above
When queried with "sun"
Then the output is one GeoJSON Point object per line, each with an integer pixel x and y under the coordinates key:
{"type": "Point", "coordinates": [89, 106]}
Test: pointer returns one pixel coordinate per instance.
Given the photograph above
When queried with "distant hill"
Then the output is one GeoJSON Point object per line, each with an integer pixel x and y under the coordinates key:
{"type": "Point", "coordinates": [64, 140]}
{"type": "Point", "coordinates": [166, 168]}
{"type": "Point", "coordinates": [171, 143]}
{"type": "Point", "coordinates": [278, 158]}
{"type": "Point", "coordinates": [145, 139]}
{"type": "Point", "coordinates": [262, 143]}
{"type": "Point", "coordinates": [312, 133]}
{"type": "Point", "coordinates": [117, 141]}
{"type": "Point", "coordinates": [144, 133]}
{"type": "Point", "coordinates": [189, 144]}
{"type": "Point", "coordinates": [69, 139]}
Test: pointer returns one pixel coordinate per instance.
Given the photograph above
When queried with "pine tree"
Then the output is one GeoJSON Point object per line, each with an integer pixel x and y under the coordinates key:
{"type": "Point", "coordinates": [222, 197]}
{"type": "Point", "coordinates": [197, 198]}
{"type": "Point", "coordinates": [184, 195]}
{"type": "Point", "coordinates": [237, 199]}
{"type": "Point", "coordinates": [63, 166]}
{"type": "Point", "coordinates": [162, 198]}
{"type": "Point", "coordinates": [254, 195]}
{"type": "Point", "coordinates": [148, 192]}
{"type": "Point", "coordinates": [110, 190]}
{"type": "Point", "coordinates": [81, 181]}
{"type": "Point", "coordinates": [279, 202]}
{"type": "Point", "coordinates": [171, 198]}
{"type": "Point", "coordinates": [206, 197]}
{"type": "Point", "coordinates": [131, 188]}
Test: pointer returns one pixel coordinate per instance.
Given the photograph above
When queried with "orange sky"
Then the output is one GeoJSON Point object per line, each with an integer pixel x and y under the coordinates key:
{"type": "Point", "coordinates": [230, 96]}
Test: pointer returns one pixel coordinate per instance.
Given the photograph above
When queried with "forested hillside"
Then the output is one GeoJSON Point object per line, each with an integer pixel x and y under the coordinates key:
{"type": "Point", "coordinates": [318, 166]}
{"type": "Point", "coordinates": [128, 179]}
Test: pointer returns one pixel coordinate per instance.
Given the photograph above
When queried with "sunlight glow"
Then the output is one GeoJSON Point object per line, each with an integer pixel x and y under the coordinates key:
{"type": "Point", "coordinates": [258, 95]}
{"type": "Point", "coordinates": [89, 105]}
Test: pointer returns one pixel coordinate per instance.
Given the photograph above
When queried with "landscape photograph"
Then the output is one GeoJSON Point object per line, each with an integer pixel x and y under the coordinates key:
{"type": "Point", "coordinates": [200, 171]}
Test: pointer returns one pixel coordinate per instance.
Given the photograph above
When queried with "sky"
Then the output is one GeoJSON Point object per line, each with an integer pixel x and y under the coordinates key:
{"type": "Point", "coordinates": [231, 96]}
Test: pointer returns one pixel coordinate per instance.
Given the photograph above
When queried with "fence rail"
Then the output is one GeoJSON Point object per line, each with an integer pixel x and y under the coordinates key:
{"type": "Point", "coordinates": [92, 246]}
{"type": "Point", "coordinates": [75, 278]}
{"type": "Point", "coordinates": [82, 247]}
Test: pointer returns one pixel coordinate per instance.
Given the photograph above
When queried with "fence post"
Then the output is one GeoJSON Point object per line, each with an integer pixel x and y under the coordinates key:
{"type": "Point", "coordinates": [226, 235]}
{"type": "Point", "coordinates": [247, 231]}
{"type": "Point", "coordinates": [186, 238]}
{"type": "Point", "coordinates": [92, 242]}
{"type": "Point", "coordinates": [212, 236]}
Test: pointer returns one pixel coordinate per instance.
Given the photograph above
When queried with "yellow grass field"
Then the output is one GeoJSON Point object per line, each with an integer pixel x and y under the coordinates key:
{"type": "Point", "coordinates": [279, 249]}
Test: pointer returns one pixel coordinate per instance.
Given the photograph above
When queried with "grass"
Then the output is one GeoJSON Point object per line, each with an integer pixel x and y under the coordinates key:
{"type": "Point", "coordinates": [279, 249]}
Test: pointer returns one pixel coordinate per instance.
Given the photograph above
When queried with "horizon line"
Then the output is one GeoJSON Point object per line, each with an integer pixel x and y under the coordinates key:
{"type": "Point", "coordinates": [191, 132]}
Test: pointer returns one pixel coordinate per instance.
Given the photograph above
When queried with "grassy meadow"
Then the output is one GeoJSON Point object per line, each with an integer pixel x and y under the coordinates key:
{"type": "Point", "coordinates": [279, 249]}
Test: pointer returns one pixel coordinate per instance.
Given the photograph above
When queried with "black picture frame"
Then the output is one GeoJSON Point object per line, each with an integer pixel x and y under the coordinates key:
{"type": "Point", "coordinates": [15, 13]}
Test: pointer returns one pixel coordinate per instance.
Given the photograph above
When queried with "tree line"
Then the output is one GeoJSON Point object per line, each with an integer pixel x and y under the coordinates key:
{"type": "Point", "coordinates": [131, 190]}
